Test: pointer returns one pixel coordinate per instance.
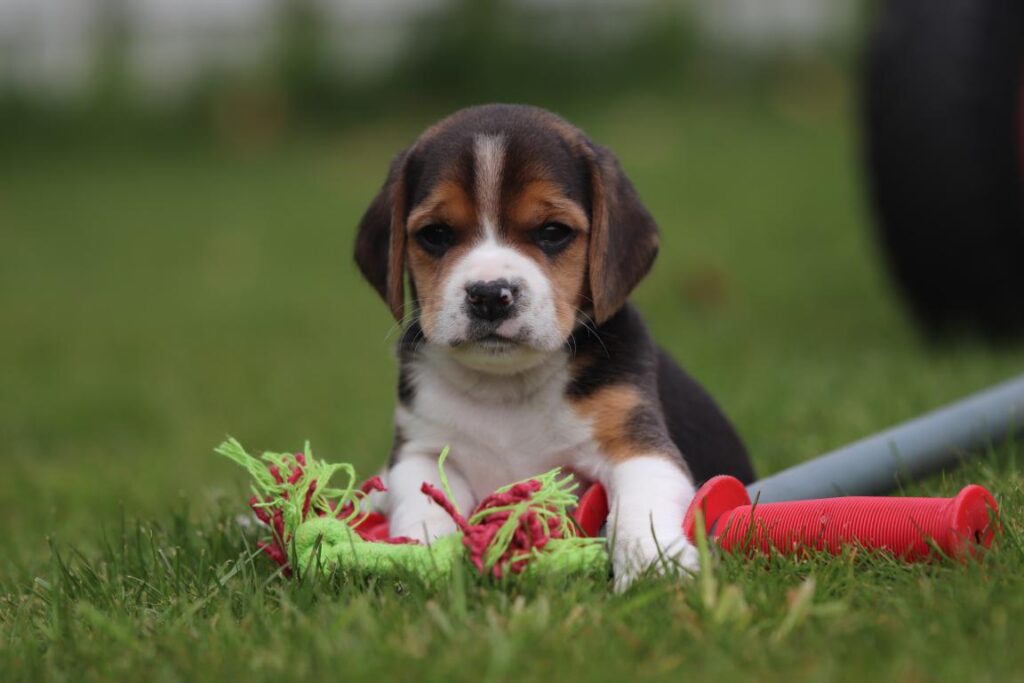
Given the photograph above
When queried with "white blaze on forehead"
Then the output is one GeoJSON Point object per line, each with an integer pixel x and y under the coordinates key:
{"type": "Point", "coordinates": [489, 153]}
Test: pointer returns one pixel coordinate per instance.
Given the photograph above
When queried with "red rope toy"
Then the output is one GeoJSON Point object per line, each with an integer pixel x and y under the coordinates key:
{"type": "Point", "coordinates": [532, 532]}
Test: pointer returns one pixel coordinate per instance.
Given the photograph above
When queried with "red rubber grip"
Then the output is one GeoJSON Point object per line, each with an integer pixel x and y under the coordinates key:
{"type": "Point", "coordinates": [909, 528]}
{"type": "Point", "coordinates": [592, 511]}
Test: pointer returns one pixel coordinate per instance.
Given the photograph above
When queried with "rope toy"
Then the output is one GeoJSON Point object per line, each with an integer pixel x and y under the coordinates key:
{"type": "Point", "coordinates": [524, 528]}
{"type": "Point", "coordinates": [537, 526]}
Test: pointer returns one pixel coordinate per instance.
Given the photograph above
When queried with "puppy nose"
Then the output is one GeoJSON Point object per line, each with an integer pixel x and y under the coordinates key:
{"type": "Point", "coordinates": [492, 300]}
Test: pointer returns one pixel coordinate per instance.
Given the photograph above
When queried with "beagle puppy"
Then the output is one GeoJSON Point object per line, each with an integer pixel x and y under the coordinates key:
{"type": "Point", "coordinates": [522, 240]}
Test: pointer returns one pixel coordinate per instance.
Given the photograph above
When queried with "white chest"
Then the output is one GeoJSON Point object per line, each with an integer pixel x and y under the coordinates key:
{"type": "Point", "coordinates": [496, 436]}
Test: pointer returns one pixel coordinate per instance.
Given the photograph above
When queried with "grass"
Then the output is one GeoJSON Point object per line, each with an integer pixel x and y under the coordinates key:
{"type": "Point", "coordinates": [154, 299]}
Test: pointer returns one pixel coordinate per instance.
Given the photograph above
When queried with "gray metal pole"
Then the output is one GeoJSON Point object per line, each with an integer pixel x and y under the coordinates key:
{"type": "Point", "coordinates": [906, 452]}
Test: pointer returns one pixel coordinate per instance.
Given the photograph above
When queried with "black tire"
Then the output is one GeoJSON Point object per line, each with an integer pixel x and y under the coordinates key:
{"type": "Point", "coordinates": [944, 150]}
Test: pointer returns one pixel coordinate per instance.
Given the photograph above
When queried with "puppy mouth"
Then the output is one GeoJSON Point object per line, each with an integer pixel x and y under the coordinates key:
{"type": "Point", "coordinates": [491, 341]}
{"type": "Point", "coordinates": [496, 342]}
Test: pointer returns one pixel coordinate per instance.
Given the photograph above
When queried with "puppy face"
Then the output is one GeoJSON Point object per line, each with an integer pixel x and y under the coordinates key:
{"type": "Point", "coordinates": [513, 228]}
{"type": "Point", "coordinates": [497, 244]}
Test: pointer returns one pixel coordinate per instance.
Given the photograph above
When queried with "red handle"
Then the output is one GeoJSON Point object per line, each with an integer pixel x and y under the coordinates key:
{"type": "Point", "coordinates": [909, 528]}
{"type": "Point", "coordinates": [592, 511]}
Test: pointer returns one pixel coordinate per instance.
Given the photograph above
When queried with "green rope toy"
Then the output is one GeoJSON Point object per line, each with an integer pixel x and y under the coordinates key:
{"type": "Point", "coordinates": [521, 529]}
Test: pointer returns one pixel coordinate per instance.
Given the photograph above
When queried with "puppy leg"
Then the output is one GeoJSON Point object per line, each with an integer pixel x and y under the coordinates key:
{"type": "Point", "coordinates": [648, 497]}
{"type": "Point", "coordinates": [410, 512]}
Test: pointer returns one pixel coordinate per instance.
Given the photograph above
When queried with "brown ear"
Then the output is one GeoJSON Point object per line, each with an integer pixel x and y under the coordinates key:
{"type": "Point", "coordinates": [623, 236]}
{"type": "Point", "coordinates": [380, 242]}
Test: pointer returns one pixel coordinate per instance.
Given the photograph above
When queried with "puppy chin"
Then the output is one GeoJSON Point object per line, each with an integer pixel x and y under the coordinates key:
{"type": "Point", "coordinates": [497, 358]}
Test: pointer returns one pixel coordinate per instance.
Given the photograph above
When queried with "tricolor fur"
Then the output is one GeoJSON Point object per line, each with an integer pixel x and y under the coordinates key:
{"type": "Point", "coordinates": [521, 240]}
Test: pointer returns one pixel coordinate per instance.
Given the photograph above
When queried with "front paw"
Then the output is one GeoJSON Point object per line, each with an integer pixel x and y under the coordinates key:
{"type": "Point", "coordinates": [423, 525]}
{"type": "Point", "coordinates": [635, 557]}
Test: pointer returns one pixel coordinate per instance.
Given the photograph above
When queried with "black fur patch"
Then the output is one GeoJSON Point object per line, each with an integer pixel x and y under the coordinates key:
{"type": "Point", "coordinates": [433, 162]}
{"type": "Point", "coordinates": [646, 428]}
{"type": "Point", "coordinates": [412, 337]}
{"type": "Point", "coordinates": [406, 389]}
{"type": "Point", "coordinates": [679, 413]}
{"type": "Point", "coordinates": [618, 352]}
{"type": "Point", "coordinates": [397, 442]}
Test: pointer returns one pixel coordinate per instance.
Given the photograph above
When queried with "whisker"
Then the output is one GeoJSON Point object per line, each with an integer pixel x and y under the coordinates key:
{"type": "Point", "coordinates": [399, 324]}
{"type": "Point", "coordinates": [415, 309]}
{"type": "Point", "coordinates": [592, 328]}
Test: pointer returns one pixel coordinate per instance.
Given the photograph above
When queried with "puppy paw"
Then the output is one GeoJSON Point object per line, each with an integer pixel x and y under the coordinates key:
{"type": "Point", "coordinates": [633, 558]}
{"type": "Point", "coordinates": [423, 525]}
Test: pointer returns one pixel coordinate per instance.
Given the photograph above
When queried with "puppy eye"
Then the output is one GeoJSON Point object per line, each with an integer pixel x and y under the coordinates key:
{"type": "Point", "coordinates": [436, 238]}
{"type": "Point", "coordinates": [554, 237]}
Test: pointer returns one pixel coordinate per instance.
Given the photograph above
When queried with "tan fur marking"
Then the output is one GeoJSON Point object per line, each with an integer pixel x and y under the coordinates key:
{"type": "Point", "coordinates": [598, 248]}
{"type": "Point", "coordinates": [429, 275]}
{"type": "Point", "coordinates": [447, 203]}
{"type": "Point", "coordinates": [537, 203]}
{"type": "Point", "coordinates": [609, 411]}
{"type": "Point", "coordinates": [567, 280]}
{"type": "Point", "coordinates": [541, 201]}
{"type": "Point", "coordinates": [396, 253]}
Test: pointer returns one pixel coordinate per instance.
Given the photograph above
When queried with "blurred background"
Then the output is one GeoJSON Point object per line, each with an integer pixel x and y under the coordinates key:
{"type": "Point", "coordinates": [251, 71]}
{"type": "Point", "coordinates": [180, 181]}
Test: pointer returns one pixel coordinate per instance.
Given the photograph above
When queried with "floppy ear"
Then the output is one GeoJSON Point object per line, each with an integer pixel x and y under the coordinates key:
{"type": "Point", "coordinates": [623, 235]}
{"type": "Point", "coordinates": [380, 242]}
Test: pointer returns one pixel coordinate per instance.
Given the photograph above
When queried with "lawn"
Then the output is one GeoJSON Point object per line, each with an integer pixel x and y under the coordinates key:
{"type": "Point", "coordinates": [154, 298]}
